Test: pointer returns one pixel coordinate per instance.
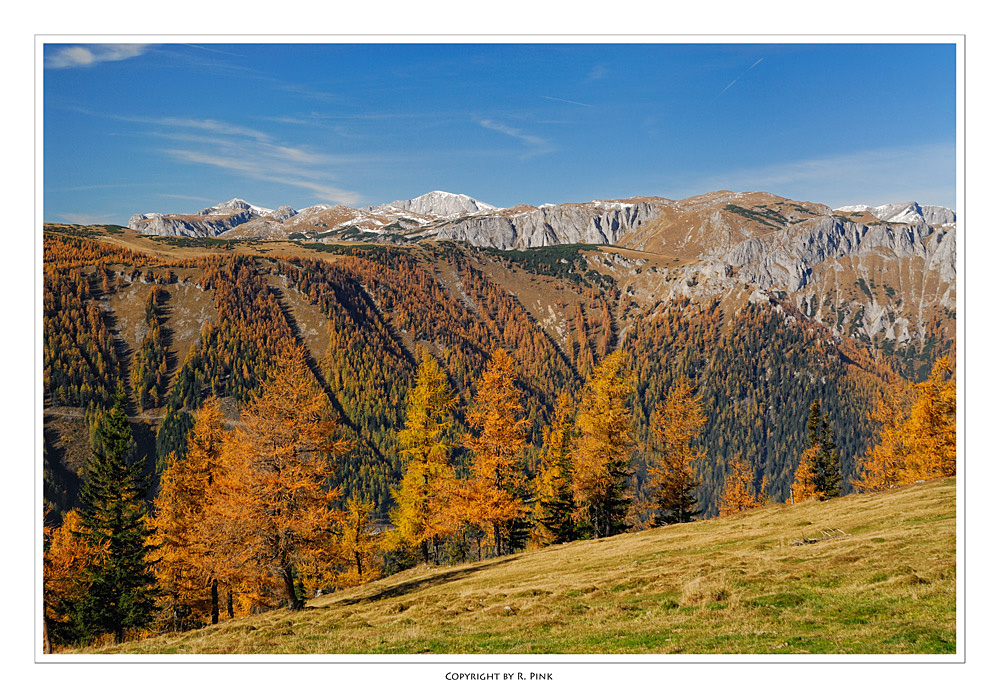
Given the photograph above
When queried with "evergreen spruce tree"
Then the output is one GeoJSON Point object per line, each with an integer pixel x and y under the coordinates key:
{"type": "Point", "coordinates": [830, 459]}
{"type": "Point", "coordinates": [554, 505]}
{"type": "Point", "coordinates": [121, 586]}
{"type": "Point", "coordinates": [825, 465]}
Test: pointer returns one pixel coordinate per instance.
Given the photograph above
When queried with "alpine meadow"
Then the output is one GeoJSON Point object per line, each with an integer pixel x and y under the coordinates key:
{"type": "Point", "coordinates": [721, 423]}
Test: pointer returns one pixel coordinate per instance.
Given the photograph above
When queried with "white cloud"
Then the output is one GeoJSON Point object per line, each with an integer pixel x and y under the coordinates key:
{"type": "Point", "coordinates": [92, 54]}
{"type": "Point", "coordinates": [539, 145]}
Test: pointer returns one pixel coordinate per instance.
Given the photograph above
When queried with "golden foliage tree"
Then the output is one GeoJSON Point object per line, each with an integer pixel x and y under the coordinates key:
{"type": "Point", "coordinates": [66, 554]}
{"type": "Point", "coordinates": [190, 590]}
{"type": "Point", "coordinates": [498, 482]}
{"type": "Point", "coordinates": [916, 447]}
{"type": "Point", "coordinates": [677, 422]}
{"type": "Point", "coordinates": [932, 427]}
{"type": "Point", "coordinates": [426, 445]}
{"type": "Point", "coordinates": [271, 519]}
{"type": "Point", "coordinates": [358, 545]}
{"type": "Point", "coordinates": [804, 487]}
{"type": "Point", "coordinates": [738, 491]}
{"type": "Point", "coordinates": [602, 453]}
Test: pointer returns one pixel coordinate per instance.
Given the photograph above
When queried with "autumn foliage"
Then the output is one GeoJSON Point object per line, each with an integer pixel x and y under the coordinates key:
{"type": "Point", "coordinates": [271, 508]}
{"type": "Point", "coordinates": [917, 446]}
{"type": "Point", "coordinates": [498, 483]}
{"type": "Point", "coordinates": [676, 424]}
{"type": "Point", "coordinates": [739, 493]}
{"type": "Point", "coordinates": [185, 569]}
{"type": "Point", "coordinates": [554, 505]}
{"type": "Point", "coordinates": [426, 444]}
{"type": "Point", "coordinates": [602, 451]}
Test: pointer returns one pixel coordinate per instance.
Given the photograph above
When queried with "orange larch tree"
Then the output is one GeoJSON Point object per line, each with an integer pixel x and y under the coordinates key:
{"type": "Point", "coordinates": [804, 487]}
{"type": "Point", "coordinates": [358, 545]}
{"type": "Point", "coordinates": [602, 453]}
{"type": "Point", "coordinates": [425, 447]}
{"type": "Point", "coordinates": [554, 505]}
{"type": "Point", "coordinates": [677, 422]}
{"type": "Point", "coordinates": [66, 554]}
{"type": "Point", "coordinates": [738, 491]}
{"type": "Point", "coordinates": [498, 483]}
{"type": "Point", "coordinates": [190, 590]}
{"type": "Point", "coordinates": [272, 511]}
{"type": "Point", "coordinates": [916, 447]}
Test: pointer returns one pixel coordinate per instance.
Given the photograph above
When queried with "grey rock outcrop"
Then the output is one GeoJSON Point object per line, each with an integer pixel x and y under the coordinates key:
{"type": "Point", "coordinates": [595, 223]}
{"type": "Point", "coordinates": [787, 259]}
{"type": "Point", "coordinates": [187, 226]}
{"type": "Point", "coordinates": [208, 222]}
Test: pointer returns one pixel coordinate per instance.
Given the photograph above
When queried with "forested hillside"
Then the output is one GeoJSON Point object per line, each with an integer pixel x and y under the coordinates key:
{"type": "Point", "coordinates": [364, 313]}
{"type": "Point", "coordinates": [462, 403]}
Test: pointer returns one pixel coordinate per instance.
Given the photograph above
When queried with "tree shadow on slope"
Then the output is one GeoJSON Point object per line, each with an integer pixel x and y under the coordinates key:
{"type": "Point", "coordinates": [404, 588]}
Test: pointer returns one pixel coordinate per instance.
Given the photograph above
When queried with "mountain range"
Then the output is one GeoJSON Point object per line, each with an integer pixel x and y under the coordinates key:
{"type": "Point", "coordinates": [879, 273]}
{"type": "Point", "coordinates": [441, 215]}
{"type": "Point", "coordinates": [768, 302]}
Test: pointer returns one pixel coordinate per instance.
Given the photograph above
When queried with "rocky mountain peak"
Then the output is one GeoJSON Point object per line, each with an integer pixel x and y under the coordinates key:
{"type": "Point", "coordinates": [233, 206]}
{"type": "Point", "coordinates": [906, 212]}
{"type": "Point", "coordinates": [438, 203]}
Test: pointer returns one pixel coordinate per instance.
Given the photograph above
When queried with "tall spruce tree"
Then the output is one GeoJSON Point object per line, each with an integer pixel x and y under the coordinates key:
{"type": "Point", "coordinates": [825, 465]}
{"type": "Point", "coordinates": [554, 505]}
{"type": "Point", "coordinates": [121, 586]}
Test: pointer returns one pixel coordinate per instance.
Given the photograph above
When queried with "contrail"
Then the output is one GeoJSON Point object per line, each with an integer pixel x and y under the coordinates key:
{"type": "Point", "coordinates": [556, 99]}
{"type": "Point", "coordinates": [214, 50]}
{"type": "Point", "coordinates": [738, 77]}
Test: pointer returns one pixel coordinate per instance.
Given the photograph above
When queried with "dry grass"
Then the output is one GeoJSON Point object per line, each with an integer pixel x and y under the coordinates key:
{"type": "Point", "coordinates": [733, 585]}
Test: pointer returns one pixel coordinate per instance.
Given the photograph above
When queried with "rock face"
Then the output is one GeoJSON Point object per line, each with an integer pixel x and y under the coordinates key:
{"type": "Point", "coordinates": [597, 222]}
{"type": "Point", "coordinates": [208, 222]}
{"type": "Point", "coordinates": [787, 259]}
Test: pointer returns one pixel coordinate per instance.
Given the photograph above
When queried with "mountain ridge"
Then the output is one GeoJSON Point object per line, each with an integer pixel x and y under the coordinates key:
{"type": "Point", "coordinates": [446, 216]}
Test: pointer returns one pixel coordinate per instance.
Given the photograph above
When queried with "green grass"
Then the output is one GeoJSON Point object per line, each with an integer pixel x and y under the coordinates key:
{"type": "Point", "coordinates": [733, 585]}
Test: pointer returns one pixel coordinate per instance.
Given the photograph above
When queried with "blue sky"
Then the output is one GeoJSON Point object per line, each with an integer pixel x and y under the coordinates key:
{"type": "Point", "coordinates": [177, 127]}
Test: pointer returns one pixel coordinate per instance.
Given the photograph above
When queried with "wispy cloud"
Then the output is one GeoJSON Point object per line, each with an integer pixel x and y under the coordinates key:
{"type": "Point", "coordinates": [568, 101]}
{"type": "Point", "coordinates": [89, 218]}
{"type": "Point", "coordinates": [91, 54]}
{"type": "Point", "coordinates": [538, 145]}
{"type": "Point", "coordinates": [924, 173]}
{"type": "Point", "coordinates": [755, 63]}
{"type": "Point", "coordinates": [266, 168]}
{"type": "Point", "coordinates": [249, 152]}
{"type": "Point", "coordinates": [598, 72]}
{"type": "Point", "coordinates": [185, 197]}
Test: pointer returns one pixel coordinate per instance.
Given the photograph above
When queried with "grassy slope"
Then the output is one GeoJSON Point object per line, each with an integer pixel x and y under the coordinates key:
{"type": "Point", "coordinates": [733, 585]}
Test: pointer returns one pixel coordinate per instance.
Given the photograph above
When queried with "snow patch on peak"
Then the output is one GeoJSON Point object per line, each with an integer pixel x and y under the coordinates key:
{"type": "Point", "coordinates": [233, 205]}
{"type": "Point", "coordinates": [440, 203]}
{"type": "Point", "coordinates": [906, 212]}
